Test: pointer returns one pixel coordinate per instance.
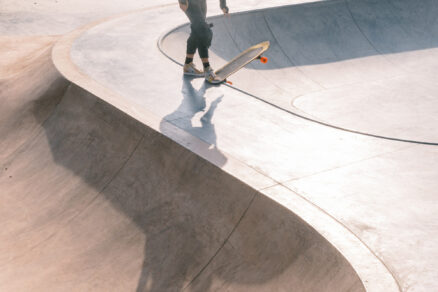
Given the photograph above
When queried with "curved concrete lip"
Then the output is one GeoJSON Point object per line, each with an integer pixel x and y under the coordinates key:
{"type": "Point", "coordinates": [370, 268]}
{"type": "Point", "coordinates": [360, 73]}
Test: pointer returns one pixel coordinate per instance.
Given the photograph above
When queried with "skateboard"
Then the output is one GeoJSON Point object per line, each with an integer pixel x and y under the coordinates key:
{"type": "Point", "coordinates": [240, 61]}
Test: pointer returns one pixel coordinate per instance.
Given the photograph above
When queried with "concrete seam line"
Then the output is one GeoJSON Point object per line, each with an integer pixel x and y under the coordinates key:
{"type": "Point", "coordinates": [224, 242]}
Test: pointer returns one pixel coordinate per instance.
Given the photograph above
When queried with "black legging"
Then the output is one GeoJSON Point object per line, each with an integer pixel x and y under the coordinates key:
{"type": "Point", "coordinates": [201, 34]}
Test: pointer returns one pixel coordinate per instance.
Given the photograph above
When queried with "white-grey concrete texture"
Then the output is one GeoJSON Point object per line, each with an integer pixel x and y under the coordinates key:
{"type": "Point", "coordinates": [315, 172]}
{"type": "Point", "coordinates": [376, 59]}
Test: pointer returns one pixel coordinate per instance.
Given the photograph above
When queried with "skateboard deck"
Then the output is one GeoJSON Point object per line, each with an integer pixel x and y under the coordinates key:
{"type": "Point", "coordinates": [247, 56]}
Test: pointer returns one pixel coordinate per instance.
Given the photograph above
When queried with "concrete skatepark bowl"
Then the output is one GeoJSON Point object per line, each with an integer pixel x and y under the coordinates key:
{"type": "Point", "coordinates": [316, 172]}
{"type": "Point", "coordinates": [367, 54]}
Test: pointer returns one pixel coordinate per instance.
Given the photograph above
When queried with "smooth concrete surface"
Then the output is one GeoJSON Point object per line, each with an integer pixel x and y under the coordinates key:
{"type": "Point", "coordinates": [363, 65]}
{"type": "Point", "coordinates": [93, 200]}
{"type": "Point", "coordinates": [29, 87]}
{"type": "Point", "coordinates": [54, 17]}
{"type": "Point", "coordinates": [51, 17]}
{"type": "Point", "coordinates": [148, 181]}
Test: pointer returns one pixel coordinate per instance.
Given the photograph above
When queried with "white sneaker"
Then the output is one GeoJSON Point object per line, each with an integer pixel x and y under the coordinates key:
{"type": "Point", "coordinates": [210, 76]}
{"type": "Point", "coordinates": [190, 69]}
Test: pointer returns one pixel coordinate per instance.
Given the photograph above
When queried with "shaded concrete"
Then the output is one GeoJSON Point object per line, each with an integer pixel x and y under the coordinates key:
{"type": "Point", "coordinates": [30, 88]}
{"type": "Point", "coordinates": [95, 200]}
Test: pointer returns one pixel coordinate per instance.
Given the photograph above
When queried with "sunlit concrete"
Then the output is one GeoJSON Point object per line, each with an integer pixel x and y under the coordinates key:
{"type": "Point", "coordinates": [359, 65]}
{"type": "Point", "coordinates": [145, 180]}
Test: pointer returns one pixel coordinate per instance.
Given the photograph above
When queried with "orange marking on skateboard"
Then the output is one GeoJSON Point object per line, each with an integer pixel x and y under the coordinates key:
{"type": "Point", "coordinates": [264, 60]}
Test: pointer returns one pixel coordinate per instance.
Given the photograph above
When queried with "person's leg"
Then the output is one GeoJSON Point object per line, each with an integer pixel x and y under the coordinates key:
{"type": "Point", "coordinates": [191, 48]}
{"type": "Point", "coordinates": [209, 74]}
{"type": "Point", "coordinates": [203, 50]}
{"type": "Point", "coordinates": [189, 68]}
{"type": "Point", "coordinates": [205, 36]}
{"type": "Point", "coordinates": [203, 53]}
{"type": "Point", "coordinates": [201, 34]}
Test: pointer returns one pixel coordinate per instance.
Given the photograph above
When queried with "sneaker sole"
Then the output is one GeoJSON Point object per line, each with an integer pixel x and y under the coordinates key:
{"type": "Point", "coordinates": [194, 74]}
{"type": "Point", "coordinates": [215, 81]}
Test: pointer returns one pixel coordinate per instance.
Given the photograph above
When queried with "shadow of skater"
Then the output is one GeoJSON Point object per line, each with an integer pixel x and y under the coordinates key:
{"type": "Point", "coordinates": [195, 114]}
{"type": "Point", "coordinates": [179, 203]}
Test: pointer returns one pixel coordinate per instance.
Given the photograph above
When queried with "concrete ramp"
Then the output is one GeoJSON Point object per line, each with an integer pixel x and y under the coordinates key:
{"type": "Point", "coordinates": [93, 200]}
{"type": "Point", "coordinates": [364, 66]}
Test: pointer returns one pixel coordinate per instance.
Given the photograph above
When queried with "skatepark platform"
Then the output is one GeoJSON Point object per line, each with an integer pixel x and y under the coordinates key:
{"type": "Point", "coordinates": [314, 172]}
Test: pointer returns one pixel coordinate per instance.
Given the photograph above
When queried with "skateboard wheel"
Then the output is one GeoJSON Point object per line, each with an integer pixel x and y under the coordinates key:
{"type": "Point", "coordinates": [264, 60]}
{"type": "Point", "coordinates": [229, 82]}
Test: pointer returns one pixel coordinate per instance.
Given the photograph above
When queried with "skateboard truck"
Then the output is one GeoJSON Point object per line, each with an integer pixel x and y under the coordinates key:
{"type": "Point", "coordinates": [263, 59]}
